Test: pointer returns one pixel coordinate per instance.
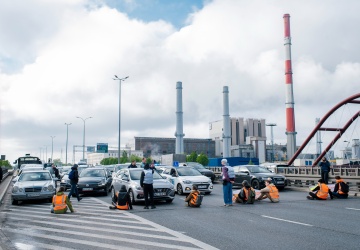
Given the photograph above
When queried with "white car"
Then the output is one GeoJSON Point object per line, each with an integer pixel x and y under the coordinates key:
{"type": "Point", "coordinates": [183, 178]}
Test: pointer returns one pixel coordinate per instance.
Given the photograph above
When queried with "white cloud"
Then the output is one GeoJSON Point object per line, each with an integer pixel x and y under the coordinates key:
{"type": "Point", "coordinates": [60, 62]}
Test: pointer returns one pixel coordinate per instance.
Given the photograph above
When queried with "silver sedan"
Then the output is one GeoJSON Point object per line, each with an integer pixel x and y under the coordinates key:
{"type": "Point", "coordinates": [33, 185]}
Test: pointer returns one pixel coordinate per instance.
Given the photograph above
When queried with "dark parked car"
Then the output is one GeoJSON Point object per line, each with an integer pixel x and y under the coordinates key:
{"type": "Point", "coordinates": [256, 175]}
{"type": "Point", "coordinates": [94, 180]}
{"type": "Point", "coordinates": [200, 168]}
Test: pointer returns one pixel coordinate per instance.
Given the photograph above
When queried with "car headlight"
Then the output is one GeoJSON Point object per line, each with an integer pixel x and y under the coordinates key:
{"type": "Point", "coordinates": [187, 182]}
{"type": "Point", "coordinates": [171, 186]}
{"type": "Point", "coordinates": [102, 182]}
{"type": "Point", "coordinates": [50, 188]}
{"type": "Point", "coordinates": [63, 181]}
{"type": "Point", "coordinates": [209, 181]}
{"type": "Point", "coordinates": [15, 189]}
{"type": "Point", "coordinates": [138, 187]}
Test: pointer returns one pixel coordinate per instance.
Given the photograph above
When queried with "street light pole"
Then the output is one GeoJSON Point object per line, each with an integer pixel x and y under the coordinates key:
{"type": "Point", "coordinates": [84, 134]}
{"type": "Point", "coordinates": [52, 147]}
{"type": "Point", "coordinates": [120, 80]}
{"type": "Point", "coordinates": [67, 137]}
{"type": "Point", "coordinates": [272, 140]}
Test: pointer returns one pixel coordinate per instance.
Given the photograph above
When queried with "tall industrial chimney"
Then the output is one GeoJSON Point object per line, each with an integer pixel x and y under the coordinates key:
{"type": "Point", "coordinates": [290, 115]}
{"type": "Point", "coordinates": [226, 121]}
{"type": "Point", "coordinates": [179, 147]}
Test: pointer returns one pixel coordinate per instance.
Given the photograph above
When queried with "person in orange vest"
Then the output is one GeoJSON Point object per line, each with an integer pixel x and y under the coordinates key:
{"type": "Point", "coordinates": [60, 202]}
{"type": "Point", "coordinates": [270, 191]}
{"type": "Point", "coordinates": [121, 200]}
{"type": "Point", "coordinates": [341, 189]}
{"type": "Point", "coordinates": [191, 198]}
{"type": "Point", "coordinates": [322, 191]}
{"type": "Point", "coordinates": [244, 195]}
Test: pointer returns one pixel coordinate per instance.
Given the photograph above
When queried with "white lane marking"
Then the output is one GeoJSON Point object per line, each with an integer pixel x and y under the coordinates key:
{"type": "Point", "coordinates": [290, 221]}
{"type": "Point", "coordinates": [80, 221]}
{"type": "Point", "coordinates": [65, 239]}
{"type": "Point", "coordinates": [36, 245]}
{"type": "Point", "coordinates": [180, 236]}
{"type": "Point", "coordinates": [116, 238]}
{"type": "Point", "coordinates": [357, 209]}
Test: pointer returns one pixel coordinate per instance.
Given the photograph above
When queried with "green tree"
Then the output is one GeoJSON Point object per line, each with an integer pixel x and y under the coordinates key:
{"type": "Point", "coordinates": [124, 157]}
{"type": "Point", "coordinates": [202, 159]}
{"type": "Point", "coordinates": [135, 158]}
{"type": "Point", "coordinates": [5, 163]}
{"type": "Point", "coordinates": [192, 157]}
{"type": "Point", "coordinates": [250, 162]}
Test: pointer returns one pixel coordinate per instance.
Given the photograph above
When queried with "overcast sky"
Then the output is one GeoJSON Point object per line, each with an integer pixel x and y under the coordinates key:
{"type": "Point", "coordinates": [58, 59]}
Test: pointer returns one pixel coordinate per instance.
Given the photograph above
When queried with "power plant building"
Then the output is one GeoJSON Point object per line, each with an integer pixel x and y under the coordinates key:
{"type": "Point", "coordinates": [248, 137]}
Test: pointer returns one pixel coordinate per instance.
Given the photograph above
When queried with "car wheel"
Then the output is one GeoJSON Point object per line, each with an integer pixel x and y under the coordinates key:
{"type": "Point", "coordinates": [169, 201]}
{"type": "Point", "coordinates": [213, 179]}
{"type": "Point", "coordinates": [112, 190]}
{"type": "Point", "coordinates": [132, 197]}
{"type": "Point", "coordinates": [255, 184]}
{"type": "Point", "coordinates": [14, 202]}
{"type": "Point", "coordinates": [179, 189]}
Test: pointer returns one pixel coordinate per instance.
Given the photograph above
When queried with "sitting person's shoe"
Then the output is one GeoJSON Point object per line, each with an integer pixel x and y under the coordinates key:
{"type": "Point", "coordinates": [309, 197]}
{"type": "Point", "coordinates": [146, 207]}
{"type": "Point", "coordinates": [152, 207]}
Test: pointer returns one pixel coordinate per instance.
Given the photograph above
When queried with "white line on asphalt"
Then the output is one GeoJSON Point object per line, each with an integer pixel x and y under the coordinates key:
{"type": "Point", "coordinates": [290, 221]}
{"type": "Point", "coordinates": [65, 239]}
{"type": "Point", "coordinates": [353, 208]}
{"type": "Point", "coordinates": [181, 237]}
{"type": "Point", "coordinates": [35, 245]}
{"type": "Point", "coordinates": [117, 238]}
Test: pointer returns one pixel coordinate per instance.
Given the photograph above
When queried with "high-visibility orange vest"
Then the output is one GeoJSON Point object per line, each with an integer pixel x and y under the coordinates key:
{"type": "Point", "coordinates": [338, 182]}
{"type": "Point", "coordinates": [193, 198]}
{"type": "Point", "coordinates": [322, 193]}
{"type": "Point", "coordinates": [59, 201]}
{"type": "Point", "coordinates": [246, 192]}
{"type": "Point", "coordinates": [274, 193]}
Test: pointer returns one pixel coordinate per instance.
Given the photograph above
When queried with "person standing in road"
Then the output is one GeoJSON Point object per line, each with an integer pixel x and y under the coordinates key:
{"type": "Point", "coordinates": [146, 182]}
{"type": "Point", "coordinates": [61, 202]}
{"type": "Point", "coordinates": [74, 179]}
{"type": "Point", "coordinates": [56, 171]}
{"type": "Point", "coordinates": [143, 162]}
{"type": "Point", "coordinates": [132, 165]}
{"type": "Point", "coordinates": [270, 191]}
{"type": "Point", "coordinates": [228, 179]}
{"type": "Point", "coordinates": [325, 169]}
{"type": "Point", "coordinates": [341, 189]}
{"type": "Point", "coordinates": [322, 191]}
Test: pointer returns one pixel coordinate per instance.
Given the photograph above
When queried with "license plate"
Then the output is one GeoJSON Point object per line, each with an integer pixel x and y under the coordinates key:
{"type": "Point", "coordinates": [33, 195]}
{"type": "Point", "coordinates": [159, 194]}
{"type": "Point", "coordinates": [280, 182]}
{"type": "Point", "coordinates": [202, 186]}
{"type": "Point", "coordinates": [87, 189]}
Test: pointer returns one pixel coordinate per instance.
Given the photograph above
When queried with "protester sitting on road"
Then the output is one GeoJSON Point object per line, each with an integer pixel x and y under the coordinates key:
{"type": "Point", "coordinates": [322, 191]}
{"type": "Point", "coordinates": [61, 202]}
{"type": "Point", "coordinates": [191, 199]}
{"type": "Point", "coordinates": [122, 200]}
{"type": "Point", "coordinates": [341, 189]}
{"type": "Point", "coordinates": [270, 191]}
{"type": "Point", "coordinates": [246, 194]}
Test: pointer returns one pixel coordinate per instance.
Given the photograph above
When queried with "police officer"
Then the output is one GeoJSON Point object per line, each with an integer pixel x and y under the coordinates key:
{"type": "Point", "coordinates": [146, 182]}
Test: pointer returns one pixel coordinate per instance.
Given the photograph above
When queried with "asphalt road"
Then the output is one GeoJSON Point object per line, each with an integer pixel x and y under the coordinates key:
{"type": "Point", "coordinates": [293, 223]}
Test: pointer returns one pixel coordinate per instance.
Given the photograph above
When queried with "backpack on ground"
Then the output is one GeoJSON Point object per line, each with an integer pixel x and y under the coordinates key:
{"type": "Point", "coordinates": [71, 175]}
{"type": "Point", "coordinates": [251, 198]}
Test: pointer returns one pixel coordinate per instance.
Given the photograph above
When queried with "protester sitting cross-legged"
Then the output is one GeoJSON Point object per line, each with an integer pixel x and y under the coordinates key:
{"type": "Point", "coordinates": [192, 199]}
{"type": "Point", "coordinates": [246, 194]}
{"type": "Point", "coordinates": [60, 202]}
{"type": "Point", "coordinates": [320, 192]}
{"type": "Point", "coordinates": [341, 189]}
{"type": "Point", "coordinates": [122, 200]}
{"type": "Point", "coordinates": [270, 192]}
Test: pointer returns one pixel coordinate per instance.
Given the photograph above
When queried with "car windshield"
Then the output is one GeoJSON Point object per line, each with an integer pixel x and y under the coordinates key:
{"type": "Point", "coordinates": [257, 169]}
{"type": "Point", "coordinates": [195, 165]}
{"type": "Point", "coordinates": [35, 176]}
{"type": "Point", "coordinates": [80, 169]}
{"type": "Point", "coordinates": [65, 170]}
{"type": "Point", "coordinates": [135, 175]}
{"type": "Point", "coordinates": [119, 167]}
{"type": "Point", "coordinates": [188, 172]}
{"type": "Point", "coordinates": [92, 173]}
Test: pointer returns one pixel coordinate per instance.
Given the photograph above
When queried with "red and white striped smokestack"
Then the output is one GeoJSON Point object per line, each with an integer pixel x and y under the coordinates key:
{"type": "Point", "coordinates": [290, 114]}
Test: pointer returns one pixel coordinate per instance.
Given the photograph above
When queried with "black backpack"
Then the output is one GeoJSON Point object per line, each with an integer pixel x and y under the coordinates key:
{"type": "Point", "coordinates": [198, 200]}
{"type": "Point", "coordinates": [251, 197]}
